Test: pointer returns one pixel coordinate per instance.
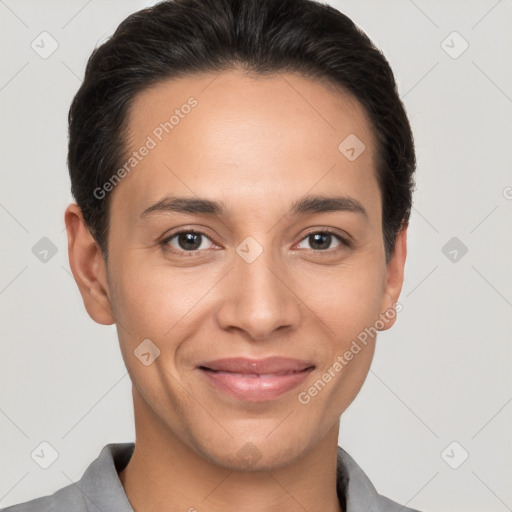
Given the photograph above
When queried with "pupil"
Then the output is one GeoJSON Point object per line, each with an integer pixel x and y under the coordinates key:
{"type": "Point", "coordinates": [317, 240]}
{"type": "Point", "coordinates": [185, 239]}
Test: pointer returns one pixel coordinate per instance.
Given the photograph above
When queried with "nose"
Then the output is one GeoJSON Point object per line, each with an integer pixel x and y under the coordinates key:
{"type": "Point", "coordinates": [259, 298]}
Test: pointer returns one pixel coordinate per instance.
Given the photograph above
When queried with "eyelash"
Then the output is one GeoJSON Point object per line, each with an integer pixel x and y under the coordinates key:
{"type": "Point", "coordinates": [181, 253]}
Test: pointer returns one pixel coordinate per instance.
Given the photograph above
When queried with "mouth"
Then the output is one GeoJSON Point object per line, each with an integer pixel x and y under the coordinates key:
{"type": "Point", "coordinates": [256, 380]}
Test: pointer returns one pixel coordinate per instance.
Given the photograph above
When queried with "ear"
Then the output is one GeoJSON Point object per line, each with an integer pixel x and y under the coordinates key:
{"type": "Point", "coordinates": [394, 281]}
{"type": "Point", "coordinates": [88, 267]}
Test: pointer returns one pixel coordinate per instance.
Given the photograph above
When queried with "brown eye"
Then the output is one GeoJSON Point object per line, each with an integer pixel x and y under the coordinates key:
{"type": "Point", "coordinates": [184, 242]}
{"type": "Point", "coordinates": [322, 240]}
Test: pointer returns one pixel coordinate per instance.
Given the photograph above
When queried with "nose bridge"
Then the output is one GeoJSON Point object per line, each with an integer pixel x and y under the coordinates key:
{"type": "Point", "coordinates": [259, 300]}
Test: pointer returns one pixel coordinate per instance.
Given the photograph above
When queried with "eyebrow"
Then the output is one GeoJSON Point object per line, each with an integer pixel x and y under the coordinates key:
{"type": "Point", "coordinates": [306, 205]}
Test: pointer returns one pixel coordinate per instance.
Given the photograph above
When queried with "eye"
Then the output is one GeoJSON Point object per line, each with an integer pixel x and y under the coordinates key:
{"type": "Point", "coordinates": [186, 243]}
{"type": "Point", "coordinates": [191, 242]}
{"type": "Point", "coordinates": [321, 240]}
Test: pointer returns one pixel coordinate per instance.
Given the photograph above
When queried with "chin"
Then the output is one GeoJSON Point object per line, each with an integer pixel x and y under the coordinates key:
{"type": "Point", "coordinates": [258, 454]}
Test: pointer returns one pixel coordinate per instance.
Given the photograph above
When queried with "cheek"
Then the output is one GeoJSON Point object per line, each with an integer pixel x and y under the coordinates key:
{"type": "Point", "coordinates": [347, 299]}
{"type": "Point", "coordinates": [151, 304]}
{"type": "Point", "coordinates": [349, 304]}
{"type": "Point", "coordinates": [166, 306]}
{"type": "Point", "coordinates": [153, 299]}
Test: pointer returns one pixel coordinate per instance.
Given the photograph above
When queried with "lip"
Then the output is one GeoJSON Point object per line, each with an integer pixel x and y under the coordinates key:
{"type": "Point", "coordinates": [256, 380]}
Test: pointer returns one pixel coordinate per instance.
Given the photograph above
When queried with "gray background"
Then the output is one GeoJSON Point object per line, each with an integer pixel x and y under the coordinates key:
{"type": "Point", "coordinates": [442, 374]}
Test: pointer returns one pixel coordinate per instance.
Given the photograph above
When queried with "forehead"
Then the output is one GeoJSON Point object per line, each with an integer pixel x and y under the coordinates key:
{"type": "Point", "coordinates": [214, 134]}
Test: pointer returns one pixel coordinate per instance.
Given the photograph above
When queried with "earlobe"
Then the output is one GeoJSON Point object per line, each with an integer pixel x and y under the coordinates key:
{"type": "Point", "coordinates": [394, 281]}
{"type": "Point", "coordinates": [88, 267]}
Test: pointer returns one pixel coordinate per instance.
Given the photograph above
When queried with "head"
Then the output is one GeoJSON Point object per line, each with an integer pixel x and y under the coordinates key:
{"type": "Point", "coordinates": [243, 173]}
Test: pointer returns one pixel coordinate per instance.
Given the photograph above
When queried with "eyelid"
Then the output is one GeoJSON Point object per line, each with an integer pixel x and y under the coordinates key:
{"type": "Point", "coordinates": [345, 240]}
{"type": "Point", "coordinates": [344, 236]}
{"type": "Point", "coordinates": [168, 237]}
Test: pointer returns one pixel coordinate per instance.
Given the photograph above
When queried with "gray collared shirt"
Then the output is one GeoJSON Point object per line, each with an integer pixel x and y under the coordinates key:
{"type": "Point", "coordinates": [100, 490]}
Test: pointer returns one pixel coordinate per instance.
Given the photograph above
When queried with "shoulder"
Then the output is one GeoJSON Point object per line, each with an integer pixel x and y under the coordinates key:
{"type": "Point", "coordinates": [358, 491]}
{"type": "Point", "coordinates": [387, 505]}
{"type": "Point", "coordinates": [98, 489]}
{"type": "Point", "coordinates": [66, 499]}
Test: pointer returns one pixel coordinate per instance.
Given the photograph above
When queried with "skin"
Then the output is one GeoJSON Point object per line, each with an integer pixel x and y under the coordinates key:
{"type": "Point", "coordinates": [258, 145]}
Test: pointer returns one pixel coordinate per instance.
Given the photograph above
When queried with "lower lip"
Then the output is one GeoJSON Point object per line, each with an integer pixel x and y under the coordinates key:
{"type": "Point", "coordinates": [255, 388]}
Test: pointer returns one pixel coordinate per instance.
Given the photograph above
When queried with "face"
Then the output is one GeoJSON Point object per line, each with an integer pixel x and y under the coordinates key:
{"type": "Point", "coordinates": [287, 261]}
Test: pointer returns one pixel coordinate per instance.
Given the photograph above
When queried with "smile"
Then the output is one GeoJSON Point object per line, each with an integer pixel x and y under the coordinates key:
{"type": "Point", "coordinates": [256, 380]}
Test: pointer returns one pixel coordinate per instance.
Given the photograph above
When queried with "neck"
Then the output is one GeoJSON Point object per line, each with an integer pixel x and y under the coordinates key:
{"type": "Point", "coordinates": [166, 474]}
